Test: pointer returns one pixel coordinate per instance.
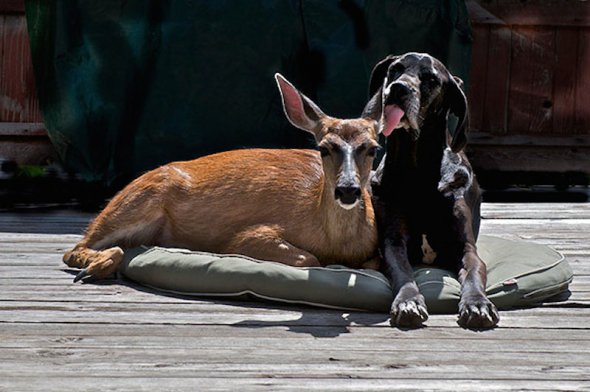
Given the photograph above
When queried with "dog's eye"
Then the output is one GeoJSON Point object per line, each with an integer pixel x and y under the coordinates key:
{"type": "Point", "coordinates": [324, 151]}
{"type": "Point", "coordinates": [395, 71]}
{"type": "Point", "coordinates": [430, 79]}
{"type": "Point", "coordinates": [372, 151]}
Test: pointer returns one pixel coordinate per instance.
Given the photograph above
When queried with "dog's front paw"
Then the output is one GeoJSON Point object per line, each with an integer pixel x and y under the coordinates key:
{"type": "Point", "coordinates": [477, 313]}
{"type": "Point", "coordinates": [408, 313]}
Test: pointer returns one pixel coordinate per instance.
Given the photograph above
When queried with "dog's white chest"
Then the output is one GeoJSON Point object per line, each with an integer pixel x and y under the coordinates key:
{"type": "Point", "coordinates": [428, 254]}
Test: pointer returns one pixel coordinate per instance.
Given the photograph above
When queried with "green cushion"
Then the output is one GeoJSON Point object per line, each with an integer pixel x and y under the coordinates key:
{"type": "Point", "coordinates": [519, 274]}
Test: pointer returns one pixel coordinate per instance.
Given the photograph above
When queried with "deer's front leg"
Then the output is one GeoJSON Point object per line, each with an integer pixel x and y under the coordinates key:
{"type": "Point", "coordinates": [99, 264]}
{"type": "Point", "coordinates": [264, 242]}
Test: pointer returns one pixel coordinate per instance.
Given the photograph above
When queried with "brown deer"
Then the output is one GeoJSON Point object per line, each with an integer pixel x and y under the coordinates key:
{"type": "Point", "coordinates": [297, 207]}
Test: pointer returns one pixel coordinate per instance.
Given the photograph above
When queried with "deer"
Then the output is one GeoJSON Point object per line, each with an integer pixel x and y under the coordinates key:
{"type": "Point", "coordinates": [300, 207]}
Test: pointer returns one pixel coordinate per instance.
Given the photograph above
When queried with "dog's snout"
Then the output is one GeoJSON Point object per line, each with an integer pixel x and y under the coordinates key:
{"type": "Point", "coordinates": [348, 194]}
{"type": "Point", "coordinates": [398, 92]}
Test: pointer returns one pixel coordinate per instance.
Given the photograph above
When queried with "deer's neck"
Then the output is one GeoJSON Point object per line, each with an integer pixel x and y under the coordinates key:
{"type": "Point", "coordinates": [340, 224]}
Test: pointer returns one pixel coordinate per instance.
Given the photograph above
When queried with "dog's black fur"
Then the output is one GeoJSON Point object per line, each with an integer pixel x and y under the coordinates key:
{"type": "Point", "coordinates": [425, 194]}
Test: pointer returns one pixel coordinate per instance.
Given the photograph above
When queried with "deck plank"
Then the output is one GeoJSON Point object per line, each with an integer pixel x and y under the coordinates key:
{"type": "Point", "coordinates": [89, 382]}
{"type": "Point", "coordinates": [115, 335]}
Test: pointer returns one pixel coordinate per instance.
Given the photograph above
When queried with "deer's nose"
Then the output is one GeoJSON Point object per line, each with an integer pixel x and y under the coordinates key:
{"type": "Point", "coordinates": [348, 194]}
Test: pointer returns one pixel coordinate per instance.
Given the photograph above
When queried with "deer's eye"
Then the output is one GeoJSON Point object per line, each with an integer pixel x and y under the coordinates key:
{"type": "Point", "coordinates": [367, 150]}
{"type": "Point", "coordinates": [324, 151]}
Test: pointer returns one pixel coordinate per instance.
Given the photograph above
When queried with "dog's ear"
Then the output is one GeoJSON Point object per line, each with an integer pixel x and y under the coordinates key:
{"type": "Point", "coordinates": [301, 111]}
{"type": "Point", "coordinates": [374, 107]}
{"type": "Point", "coordinates": [457, 103]}
{"type": "Point", "coordinates": [379, 73]}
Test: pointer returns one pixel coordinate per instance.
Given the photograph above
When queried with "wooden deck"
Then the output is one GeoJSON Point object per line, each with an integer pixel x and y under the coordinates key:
{"type": "Point", "coordinates": [60, 336]}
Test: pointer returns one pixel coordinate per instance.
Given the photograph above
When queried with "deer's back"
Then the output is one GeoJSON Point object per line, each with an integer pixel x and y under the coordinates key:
{"type": "Point", "coordinates": [210, 199]}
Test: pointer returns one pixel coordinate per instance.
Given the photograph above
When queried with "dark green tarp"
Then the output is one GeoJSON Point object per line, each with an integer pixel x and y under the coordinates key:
{"type": "Point", "coordinates": [127, 85]}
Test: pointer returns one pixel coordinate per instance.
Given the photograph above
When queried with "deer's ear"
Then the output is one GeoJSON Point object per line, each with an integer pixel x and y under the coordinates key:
{"type": "Point", "coordinates": [301, 111]}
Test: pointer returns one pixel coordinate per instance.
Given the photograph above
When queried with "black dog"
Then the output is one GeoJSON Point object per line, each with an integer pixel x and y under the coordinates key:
{"type": "Point", "coordinates": [425, 194]}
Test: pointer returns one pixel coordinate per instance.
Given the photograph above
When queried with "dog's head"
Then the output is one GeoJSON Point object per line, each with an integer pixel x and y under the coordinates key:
{"type": "Point", "coordinates": [407, 89]}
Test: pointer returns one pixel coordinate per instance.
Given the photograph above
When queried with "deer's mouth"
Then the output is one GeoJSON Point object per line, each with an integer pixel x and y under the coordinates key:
{"type": "Point", "coordinates": [347, 206]}
{"type": "Point", "coordinates": [347, 196]}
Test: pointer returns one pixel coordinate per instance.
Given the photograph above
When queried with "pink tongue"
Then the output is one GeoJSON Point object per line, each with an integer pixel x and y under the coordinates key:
{"type": "Point", "coordinates": [392, 115]}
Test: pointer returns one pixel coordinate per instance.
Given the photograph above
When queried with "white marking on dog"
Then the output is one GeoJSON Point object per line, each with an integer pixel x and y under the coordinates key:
{"type": "Point", "coordinates": [429, 255]}
{"type": "Point", "coordinates": [387, 89]}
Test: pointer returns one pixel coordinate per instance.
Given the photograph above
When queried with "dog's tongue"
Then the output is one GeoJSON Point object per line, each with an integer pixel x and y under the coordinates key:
{"type": "Point", "coordinates": [392, 115]}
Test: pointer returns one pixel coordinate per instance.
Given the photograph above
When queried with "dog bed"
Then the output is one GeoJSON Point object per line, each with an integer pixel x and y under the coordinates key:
{"type": "Point", "coordinates": [520, 274]}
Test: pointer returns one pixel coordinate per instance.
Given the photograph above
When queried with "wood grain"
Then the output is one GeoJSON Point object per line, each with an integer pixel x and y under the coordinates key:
{"type": "Point", "coordinates": [18, 100]}
{"type": "Point", "coordinates": [564, 81]}
{"type": "Point", "coordinates": [268, 381]}
{"type": "Point", "coordinates": [551, 13]}
{"type": "Point", "coordinates": [495, 109]}
{"type": "Point", "coordinates": [531, 80]}
{"type": "Point", "coordinates": [12, 6]}
{"type": "Point", "coordinates": [582, 107]}
{"type": "Point", "coordinates": [537, 51]}
{"type": "Point", "coordinates": [477, 75]}
{"type": "Point", "coordinates": [551, 159]}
